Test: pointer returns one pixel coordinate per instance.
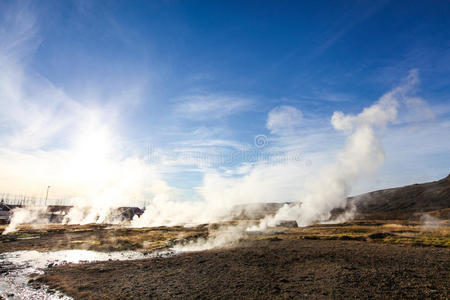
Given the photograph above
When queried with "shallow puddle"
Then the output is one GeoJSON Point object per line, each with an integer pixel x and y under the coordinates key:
{"type": "Point", "coordinates": [16, 268]}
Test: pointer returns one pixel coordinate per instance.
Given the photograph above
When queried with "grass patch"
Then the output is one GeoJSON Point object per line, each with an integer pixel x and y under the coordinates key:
{"type": "Point", "coordinates": [403, 232]}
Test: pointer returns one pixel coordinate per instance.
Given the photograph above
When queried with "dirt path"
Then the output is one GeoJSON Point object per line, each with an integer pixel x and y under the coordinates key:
{"type": "Point", "coordinates": [309, 269]}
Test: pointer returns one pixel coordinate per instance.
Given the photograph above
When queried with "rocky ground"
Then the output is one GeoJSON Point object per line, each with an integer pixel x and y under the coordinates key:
{"type": "Point", "coordinates": [358, 259]}
{"type": "Point", "coordinates": [267, 268]}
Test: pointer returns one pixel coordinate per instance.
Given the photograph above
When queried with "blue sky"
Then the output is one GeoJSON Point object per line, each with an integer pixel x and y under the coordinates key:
{"type": "Point", "coordinates": [192, 83]}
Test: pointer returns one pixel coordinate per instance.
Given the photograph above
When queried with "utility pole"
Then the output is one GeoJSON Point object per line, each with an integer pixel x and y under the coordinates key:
{"type": "Point", "coordinates": [46, 197]}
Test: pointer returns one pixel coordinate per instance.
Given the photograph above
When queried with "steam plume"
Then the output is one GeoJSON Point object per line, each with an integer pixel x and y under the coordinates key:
{"type": "Point", "coordinates": [362, 155]}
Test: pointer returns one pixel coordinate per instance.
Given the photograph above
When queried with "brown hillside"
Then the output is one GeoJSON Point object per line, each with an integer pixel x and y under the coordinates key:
{"type": "Point", "coordinates": [407, 201]}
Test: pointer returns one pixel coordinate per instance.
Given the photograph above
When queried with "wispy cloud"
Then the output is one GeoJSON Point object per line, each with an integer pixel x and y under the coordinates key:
{"type": "Point", "coordinates": [347, 22]}
{"type": "Point", "coordinates": [211, 106]}
{"type": "Point", "coordinates": [18, 31]}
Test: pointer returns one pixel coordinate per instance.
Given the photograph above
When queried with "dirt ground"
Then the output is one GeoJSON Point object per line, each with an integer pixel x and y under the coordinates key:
{"type": "Point", "coordinates": [358, 259]}
{"type": "Point", "coordinates": [263, 269]}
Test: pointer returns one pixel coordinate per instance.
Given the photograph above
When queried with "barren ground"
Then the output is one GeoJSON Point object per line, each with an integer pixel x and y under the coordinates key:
{"type": "Point", "coordinates": [267, 269]}
{"type": "Point", "coordinates": [359, 259]}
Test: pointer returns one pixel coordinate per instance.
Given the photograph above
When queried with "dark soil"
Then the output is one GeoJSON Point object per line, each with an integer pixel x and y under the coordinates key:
{"type": "Point", "coordinates": [308, 269]}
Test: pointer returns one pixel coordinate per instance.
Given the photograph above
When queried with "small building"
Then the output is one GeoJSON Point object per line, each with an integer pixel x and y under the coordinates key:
{"type": "Point", "coordinates": [56, 213]}
{"type": "Point", "coordinates": [5, 212]}
{"type": "Point", "coordinates": [128, 213]}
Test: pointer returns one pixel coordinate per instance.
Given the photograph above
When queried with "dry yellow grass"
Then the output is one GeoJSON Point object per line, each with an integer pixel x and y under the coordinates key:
{"type": "Point", "coordinates": [114, 238]}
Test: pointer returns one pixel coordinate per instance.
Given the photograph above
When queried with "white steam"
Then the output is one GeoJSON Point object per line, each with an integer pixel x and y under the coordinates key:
{"type": "Point", "coordinates": [314, 197]}
{"type": "Point", "coordinates": [362, 155]}
{"type": "Point", "coordinates": [28, 215]}
{"type": "Point", "coordinates": [224, 236]}
{"type": "Point", "coordinates": [429, 223]}
{"type": "Point", "coordinates": [48, 138]}
{"type": "Point", "coordinates": [73, 144]}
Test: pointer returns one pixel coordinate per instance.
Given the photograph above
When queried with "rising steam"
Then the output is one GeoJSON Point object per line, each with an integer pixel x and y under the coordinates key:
{"type": "Point", "coordinates": [362, 155]}
{"type": "Point", "coordinates": [73, 147]}
{"type": "Point", "coordinates": [326, 190]}
{"type": "Point", "coordinates": [53, 138]}
{"type": "Point", "coordinates": [48, 137]}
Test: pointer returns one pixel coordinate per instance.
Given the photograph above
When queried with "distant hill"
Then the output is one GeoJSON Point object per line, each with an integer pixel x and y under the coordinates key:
{"type": "Point", "coordinates": [405, 202]}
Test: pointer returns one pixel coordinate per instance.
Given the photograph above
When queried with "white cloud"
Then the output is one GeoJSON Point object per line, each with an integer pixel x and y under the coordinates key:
{"type": "Point", "coordinates": [284, 119]}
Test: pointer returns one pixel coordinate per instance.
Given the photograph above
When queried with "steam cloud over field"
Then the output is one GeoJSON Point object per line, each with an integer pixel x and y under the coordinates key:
{"type": "Point", "coordinates": [77, 146]}
{"type": "Point", "coordinates": [113, 179]}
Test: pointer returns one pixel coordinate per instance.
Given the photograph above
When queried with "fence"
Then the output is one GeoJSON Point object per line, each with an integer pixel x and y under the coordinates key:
{"type": "Point", "coordinates": [31, 200]}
